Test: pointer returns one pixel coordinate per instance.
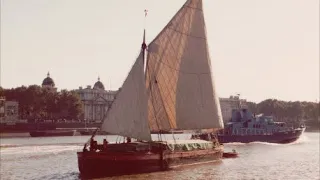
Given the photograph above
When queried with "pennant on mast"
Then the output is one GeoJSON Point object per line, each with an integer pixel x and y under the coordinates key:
{"type": "Point", "coordinates": [145, 12]}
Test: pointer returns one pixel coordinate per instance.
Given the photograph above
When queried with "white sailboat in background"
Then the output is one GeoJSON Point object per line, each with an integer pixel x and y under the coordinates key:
{"type": "Point", "coordinates": [175, 92]}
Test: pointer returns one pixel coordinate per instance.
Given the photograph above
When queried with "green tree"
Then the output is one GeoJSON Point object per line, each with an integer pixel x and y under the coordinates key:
{"type": "Point", "coordinates": [39, 103]}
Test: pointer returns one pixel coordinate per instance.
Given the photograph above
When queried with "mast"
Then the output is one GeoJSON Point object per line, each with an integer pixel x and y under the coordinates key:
{"type": "Point", "coordinates": [143, 48]}
{"type": "Point", "coordinates": [144, 45]}
{"type": "Point", "coordinates": [239, 102]}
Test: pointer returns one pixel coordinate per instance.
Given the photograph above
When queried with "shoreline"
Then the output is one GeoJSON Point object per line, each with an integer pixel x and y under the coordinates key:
{"type": "Point", "coordinates": [14, 134]}
{"type": "Point", "coordinates": [22, 135]}
{"type": "Point", "coordinates": [26, 134]}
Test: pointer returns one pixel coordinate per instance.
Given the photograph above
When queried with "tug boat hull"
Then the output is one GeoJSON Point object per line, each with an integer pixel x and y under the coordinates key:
{"type": "Point", "coordinates": [279, 137]}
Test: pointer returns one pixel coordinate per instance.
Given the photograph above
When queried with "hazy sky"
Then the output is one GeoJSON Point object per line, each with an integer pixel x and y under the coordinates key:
{"type": "Point", "coordinates": [259, 48]}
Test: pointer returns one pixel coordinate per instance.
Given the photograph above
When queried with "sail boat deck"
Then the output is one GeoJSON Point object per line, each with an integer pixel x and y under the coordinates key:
{"type": "Point", "coordinates": [169, 145]}
{"type": "Point", "coordinates": [189, 145]}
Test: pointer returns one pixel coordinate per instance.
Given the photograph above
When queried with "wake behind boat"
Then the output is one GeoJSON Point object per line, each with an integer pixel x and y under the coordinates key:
{"type": "Point", "coordinates": [176, 91]}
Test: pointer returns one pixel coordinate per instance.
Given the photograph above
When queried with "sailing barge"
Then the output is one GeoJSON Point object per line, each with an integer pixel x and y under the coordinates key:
{"type": "Point", "coordinates": [175, 91]}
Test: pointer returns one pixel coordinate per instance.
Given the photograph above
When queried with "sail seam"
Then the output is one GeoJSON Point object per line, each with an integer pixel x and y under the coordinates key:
{"type": "Point", "coordinates": [187, 34]}
{"type": "Point", "coordinates": [152, 103]}
{"type": "Point", "coordinates": [169, 40]}
{"type": "Point", "coordinates": [192, 7]}
{"type": "Point", "coordinates": [169, 22]}
{"type": "Point", "coordinates": [161, 96]}
{"type": "Point", "coordinates": [178, 17]}
{"type": "Point", "coordinates": [184, 72]}
{"type": "Point", "coordinates": [165, 109]}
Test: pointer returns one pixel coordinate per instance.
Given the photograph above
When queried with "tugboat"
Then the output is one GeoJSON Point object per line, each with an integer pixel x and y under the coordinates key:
{"type": "Point", "coordinates": [245, 128]}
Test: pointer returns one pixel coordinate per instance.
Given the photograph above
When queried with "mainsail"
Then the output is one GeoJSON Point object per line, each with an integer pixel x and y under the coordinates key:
{"type": "Point", "coordinates": [128, 113]}
{"type": "Point", "coordinates": [179, 82]}
{"type": "Point", "coordinates": [177, 89]}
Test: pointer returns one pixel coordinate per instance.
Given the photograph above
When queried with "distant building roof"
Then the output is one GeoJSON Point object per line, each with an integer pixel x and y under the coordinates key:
{"type": "Point", "coordinates": [48, 81]}
{"type": "Point", "coordinates": [98, 85]}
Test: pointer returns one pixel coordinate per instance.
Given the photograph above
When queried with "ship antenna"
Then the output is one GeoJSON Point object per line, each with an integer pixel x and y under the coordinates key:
{"type": "Point", "coordinates": [239, 102]}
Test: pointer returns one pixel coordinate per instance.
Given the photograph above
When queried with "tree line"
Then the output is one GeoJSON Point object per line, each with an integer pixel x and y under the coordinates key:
{"type": "Point", "coordinates": [290, 112]}
{"type": "Point", "coordinates": [40, 103]}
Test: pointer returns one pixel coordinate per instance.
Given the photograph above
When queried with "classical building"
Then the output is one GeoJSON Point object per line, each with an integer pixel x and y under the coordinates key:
{"type": "Point", "coordinates": [227, 104]}
{"type": "Point", "coordinates": [96, 101]}
{"type": "Point", "coordinates": [48, 83]}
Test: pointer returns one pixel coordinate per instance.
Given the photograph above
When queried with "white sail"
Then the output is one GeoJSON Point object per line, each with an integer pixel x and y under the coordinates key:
{"type": "Point", "coordinates": [179, 81]}
{"type": "Point", "coordinates": [128, 113]}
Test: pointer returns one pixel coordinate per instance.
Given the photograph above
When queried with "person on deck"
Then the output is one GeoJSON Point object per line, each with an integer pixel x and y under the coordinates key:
{"type": "Point", "coordinates": [128, 140]}
{"type": "Point", "coordinates": [105, 144]}
{"type": "Point", "coordinates": [91, 144]}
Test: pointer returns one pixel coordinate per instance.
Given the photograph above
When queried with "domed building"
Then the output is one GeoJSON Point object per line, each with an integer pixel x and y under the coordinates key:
{"type": "Point", "coordinates": [48, 83]}
{"type": "Point", "coordinates": [98, 85]}
{"type": "Point", "coordinates": [96, 101]}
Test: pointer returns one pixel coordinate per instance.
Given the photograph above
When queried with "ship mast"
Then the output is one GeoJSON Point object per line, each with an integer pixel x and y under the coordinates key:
{"type": "Point", "coordinates": [239, 101]}
{"type": "Point", "coordinates": [144, 46]}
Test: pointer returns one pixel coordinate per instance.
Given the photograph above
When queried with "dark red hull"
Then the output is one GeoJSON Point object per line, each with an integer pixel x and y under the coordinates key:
{"type": "Point", "coordinates": [280, 137]}
{"type": "Point", "coordinates": [102, 164]}
{"type": "Point", "coordinates": [230, 155]}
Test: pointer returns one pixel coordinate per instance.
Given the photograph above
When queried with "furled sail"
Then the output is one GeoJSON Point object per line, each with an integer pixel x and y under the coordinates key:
{"type": "Point", "coordinates": [179, 82]}
{"type": "Point", "coordinates": [128, 113]}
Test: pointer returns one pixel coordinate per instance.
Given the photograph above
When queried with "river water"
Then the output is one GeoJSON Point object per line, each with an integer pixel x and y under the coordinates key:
{"type": "Point", "coordinates": [55, 158]}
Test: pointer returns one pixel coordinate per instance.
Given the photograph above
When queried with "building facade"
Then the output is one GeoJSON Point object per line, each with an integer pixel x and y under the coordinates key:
{"type": "Point", "coordinates": [227, 104]}
{"type": "Point", "coordinates": [9, 111]}
{"type": "Point", "coordinates": [96, 101]}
